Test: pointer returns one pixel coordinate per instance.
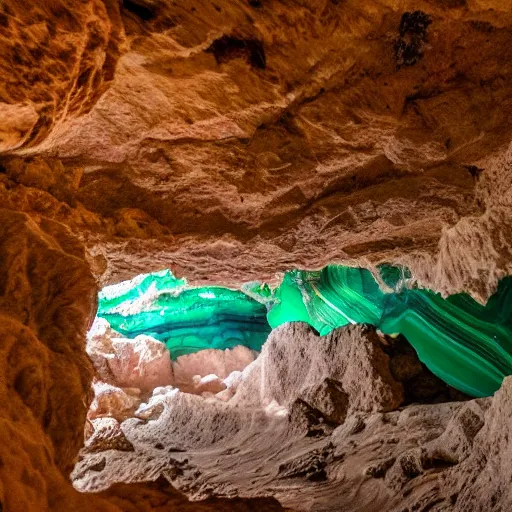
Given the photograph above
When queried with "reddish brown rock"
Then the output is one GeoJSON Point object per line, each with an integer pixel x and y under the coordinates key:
{"type": "Point", "coordinates": [47, 299]}
{"type": "Point", "coordinates": [235, 140]}
{"type": "Point", "coordinates": [47, 296]}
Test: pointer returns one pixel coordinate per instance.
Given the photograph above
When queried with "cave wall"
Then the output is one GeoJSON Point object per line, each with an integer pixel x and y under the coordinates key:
{"type": "Point", "coordinates": [47, 303]}
{"type": "Point", "coordinates": [47, 297]}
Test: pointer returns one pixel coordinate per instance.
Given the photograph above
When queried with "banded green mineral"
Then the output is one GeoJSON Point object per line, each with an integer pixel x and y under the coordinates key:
{"type": "Point", "coordinates": [466, 344]}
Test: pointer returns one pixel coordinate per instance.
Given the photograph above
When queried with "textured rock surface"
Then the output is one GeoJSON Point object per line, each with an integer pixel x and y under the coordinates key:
{"type": "Point", "coordinates": [46, 305]}
{"type": "Point", "coordinates": [160, 496]}
{"type": "Point", "coordinates": [292, 444]}
{"type": "Point", "coordinates": [142, 362]}
{"type": "Point", "coordinates": [292, 363]}
{"type": "Point", "coordinates": [47, 297]}
{"type": "Point", "coordinates": [113, 401]}
{"type": "Point", "coordinates": [229, 140]}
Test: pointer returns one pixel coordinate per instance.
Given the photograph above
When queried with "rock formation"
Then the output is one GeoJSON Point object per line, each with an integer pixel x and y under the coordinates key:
{"type": "Point", "coordinates": [231, 141]}
{"type": "Point", "coordinates": [316, 422]}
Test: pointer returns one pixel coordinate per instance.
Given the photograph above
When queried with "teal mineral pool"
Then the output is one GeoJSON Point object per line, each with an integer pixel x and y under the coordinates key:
{"type": "Point", "coordinates": [466, 344]}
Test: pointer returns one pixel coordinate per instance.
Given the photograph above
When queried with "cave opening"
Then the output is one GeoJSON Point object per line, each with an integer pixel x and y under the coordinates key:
{"type": "Point", "coordinates": [192, 370]}
{"type": "Point", "coordinates": [156, 333]}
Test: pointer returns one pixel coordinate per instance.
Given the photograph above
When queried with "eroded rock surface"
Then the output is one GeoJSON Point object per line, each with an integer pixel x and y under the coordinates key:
{"type": "Point", "coordinates": [323, 442]}
{"type": "Point", "coordinates": [47, 295]}
{"type": "Point", "coordinates": [228, 141]}
{"type": "Point", "coordinates": [231, 140]}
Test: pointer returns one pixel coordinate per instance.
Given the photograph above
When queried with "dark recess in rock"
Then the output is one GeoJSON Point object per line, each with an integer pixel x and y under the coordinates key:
{"type": "Point", "coordinates": [139, 9]}
{"type": "Point", "coordinates": [311, 419]}
{"type": "Point", "coordinates": [452, 4]}
{"type": "Point", "coordinates": [228, 48]}
{"type": "Point", "coordinates": [420, 384]}
{"type": "Point", "coordinates": [413, 35]}
{"type": "Point", "coordinates": [380, 469]}
{"type": "Point", "coordinates": [474, 171]}
{"type": "Point", "coordinates": [482, 26]}
{"type": "Point", "coordinates": [310, 465]}
{"type": "Point", "coordinates": [99, 466]}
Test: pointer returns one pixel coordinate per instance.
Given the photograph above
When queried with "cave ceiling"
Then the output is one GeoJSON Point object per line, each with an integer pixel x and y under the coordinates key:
{"type": "Point", "coordinates": [230, 140]}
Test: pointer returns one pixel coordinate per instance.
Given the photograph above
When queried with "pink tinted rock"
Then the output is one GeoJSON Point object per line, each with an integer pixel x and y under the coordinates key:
{"type": "Point", "coordinates": [208, 384]}
{"type": "Point", "coordinates": [99, 348]}
{"type": "Point", "coordinates": [221, 363]}
{"type": "Point", "coordinates": [143, 363]}
{"type": "Point", "coordinates": [112, 401]}
{"type": "Point", "coordinates": [233, 380]}
{"type": "Point", "coordinates": [224, 395]}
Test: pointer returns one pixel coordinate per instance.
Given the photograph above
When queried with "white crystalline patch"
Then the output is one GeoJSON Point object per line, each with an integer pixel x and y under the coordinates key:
{"type": "Point", "coordinates": [207, 295]}
{"type": "Point", "coordinates": [233, 379]}
{"type": "Point", "coordinates": [274, 409]}
{"type": "Point", "coordinates": [145, 301]}
{"type": "Point", "coordinates": [115, 290]}
{"type": "Point", "coordinates": [166, 392]}
{"type": "Point", "coordinates": [100, 327]}
{"type": "Point", "coordinates": [163, 390]}
{"type": "Point", "coordinates": [142, 303]}
{"type": "Point", "coordinates": [209, 378]}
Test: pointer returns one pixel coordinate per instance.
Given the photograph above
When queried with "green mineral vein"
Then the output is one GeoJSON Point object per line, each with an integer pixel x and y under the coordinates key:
{"type": "Point", "coordinates": [466, 344]}
{"type": "Point", "coordinates": [185, 319]}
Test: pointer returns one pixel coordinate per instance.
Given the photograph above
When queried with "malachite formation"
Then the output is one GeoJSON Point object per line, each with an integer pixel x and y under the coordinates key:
{"type": "Point", "coordinates": [186, 319]}
{"type": "Point", "coordinates": [466, 344]}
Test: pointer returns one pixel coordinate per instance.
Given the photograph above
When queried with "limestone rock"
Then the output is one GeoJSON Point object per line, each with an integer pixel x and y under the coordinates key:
{"type": "Point", "coordinates": [100, 349]}
{"type": "Point", "coordinates": [294, 359]}
{"type": "Point", "coordinates": [107, 435]}
{"type": "Point", "coordinates": [143, 363]}
{"type": "Point", "coordinates": [113, 401]}
{"type": "Point", "coordinates": [329, 399]}
{"type": "Point", "coordinates": [160, 496]}
{"type": "Point", "coordinates": [415, 457]}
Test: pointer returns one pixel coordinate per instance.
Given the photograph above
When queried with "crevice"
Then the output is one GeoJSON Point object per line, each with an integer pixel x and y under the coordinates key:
{"type": "Point", "coordinates": [140, 9]}
{"type": "Point", "coordinates": [228, 48]}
